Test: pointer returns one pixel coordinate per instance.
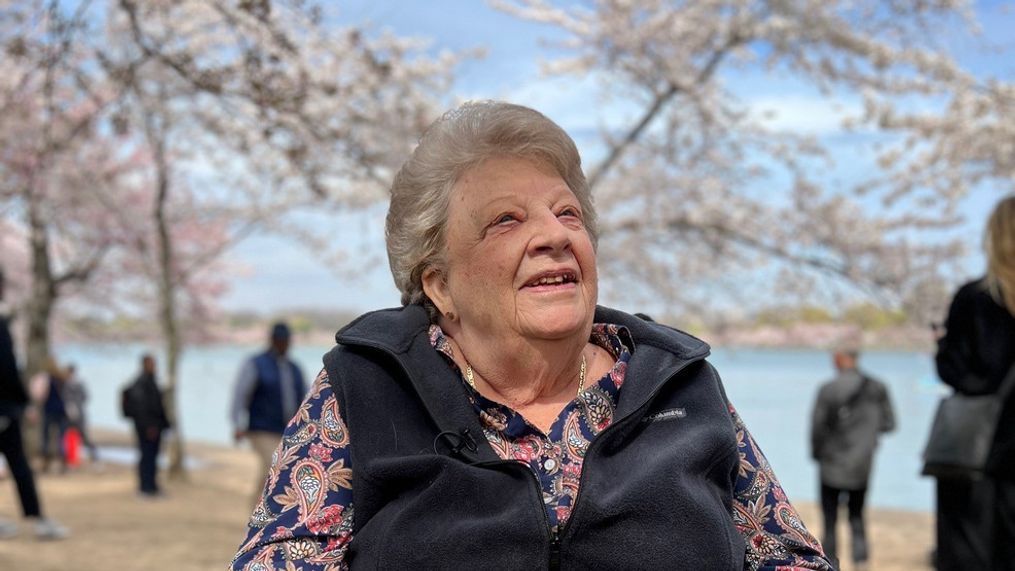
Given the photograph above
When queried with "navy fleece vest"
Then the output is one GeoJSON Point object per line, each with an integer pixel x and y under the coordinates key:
{"type": "Point", "coordinates": [429, 492]}
{"type": "Point", "coordinates": [266, 405]}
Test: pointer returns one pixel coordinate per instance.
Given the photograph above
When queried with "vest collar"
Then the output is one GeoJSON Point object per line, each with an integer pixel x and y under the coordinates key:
{"type": "Point", "coordinates": [393, 329]}
{"type": "Point", "coordinates": [659, 353]}
{"type": "Point", "coordinates": [396, 329]}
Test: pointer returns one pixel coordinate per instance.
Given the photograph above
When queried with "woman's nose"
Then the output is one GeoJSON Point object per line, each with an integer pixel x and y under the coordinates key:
{"type": "Point", "coordinates": [551, 235]}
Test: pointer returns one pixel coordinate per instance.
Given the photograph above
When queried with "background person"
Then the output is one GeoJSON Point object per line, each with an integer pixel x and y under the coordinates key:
{"type": "Point", "coordinates": [13, 399]}
{"type": "Point", "coordinates": [49, 390]}
{"type": "Point", "coordinates": [268, 391]}
{"type": "Point", "coordinates": [976, 518]}
{"type": "Point", "coordinates": [76, 397]}
{"type": "Point", "coordinates": [500, 418]}
{"type": "Point", "coordinates": [850, 413]}
{"type": "Point", "coordinates": [144, 405]}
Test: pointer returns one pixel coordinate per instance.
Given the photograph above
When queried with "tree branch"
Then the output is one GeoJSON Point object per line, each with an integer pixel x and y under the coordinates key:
{"type": "Point", "coordinates": [872, 284]}
{"type": "Point", "coordinates": [81, 272]}
{"type": "Point", "coordinates": [650, 114]}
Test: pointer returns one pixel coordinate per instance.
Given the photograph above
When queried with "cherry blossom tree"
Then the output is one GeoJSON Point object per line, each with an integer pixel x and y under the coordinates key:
{"type": "Point", "coordinates": [272, 109]}
{"type": "Point", "coordinates": [53, 158]}
{"type": "Point", "coordinates": [701, 186]}
{"type": "Point", "coordinates": [969, 141]}
{"type": "Point", "coordinates": [234, 115]}
{"type": "Point", "coordinates": [13, 262]}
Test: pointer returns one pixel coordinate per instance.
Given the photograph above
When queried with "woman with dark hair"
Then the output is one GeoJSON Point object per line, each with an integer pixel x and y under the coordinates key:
{"type": "Point", "coordinates": [500, 418]}
{"type": "Point", "coordinates": [976, 518]}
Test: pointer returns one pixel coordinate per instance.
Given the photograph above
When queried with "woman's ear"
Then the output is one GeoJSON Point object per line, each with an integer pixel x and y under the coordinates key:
{"type": "Point", "coordinates": [435, 286]}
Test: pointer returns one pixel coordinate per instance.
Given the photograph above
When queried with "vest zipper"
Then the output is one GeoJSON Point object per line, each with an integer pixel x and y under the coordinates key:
{"type": "Point", "coordinates": [554, 563]}
{"type": "Point", "coordinates": [555, 534]}
{"type": "Point", "coordinates": [581, 478]}
{"type": "Point", "coordinates": [552, 533]}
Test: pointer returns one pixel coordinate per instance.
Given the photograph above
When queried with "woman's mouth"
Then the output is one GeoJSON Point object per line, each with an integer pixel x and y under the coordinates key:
{"type": "Point", "coordinates": [552, 280]}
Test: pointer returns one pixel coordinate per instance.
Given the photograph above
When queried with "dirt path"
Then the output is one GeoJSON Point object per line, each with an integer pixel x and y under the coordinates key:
{"type": "Point", "coordinates": [200, 523]}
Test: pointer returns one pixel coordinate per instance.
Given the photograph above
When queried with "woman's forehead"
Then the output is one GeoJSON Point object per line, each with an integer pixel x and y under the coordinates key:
{"type": "Point", "coordinates": [509, 179]}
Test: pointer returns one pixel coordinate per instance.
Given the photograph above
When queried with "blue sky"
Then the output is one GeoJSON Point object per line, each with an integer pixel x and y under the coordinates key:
{"type": "Point", "coordinates": [278, 274]}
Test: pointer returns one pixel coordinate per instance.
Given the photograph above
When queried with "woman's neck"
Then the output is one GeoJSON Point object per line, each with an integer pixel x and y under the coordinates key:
{"type": "Point", "coordinates": [521, 372]}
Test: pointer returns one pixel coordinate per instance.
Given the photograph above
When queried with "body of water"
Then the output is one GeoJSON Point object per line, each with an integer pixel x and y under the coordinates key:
{"type": "Point", "coordinates": [773, 390]}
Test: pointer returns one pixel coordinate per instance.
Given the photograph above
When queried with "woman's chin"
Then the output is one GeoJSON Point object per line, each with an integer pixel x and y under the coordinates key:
{"type": "Point", "coordinates": [551, 324]}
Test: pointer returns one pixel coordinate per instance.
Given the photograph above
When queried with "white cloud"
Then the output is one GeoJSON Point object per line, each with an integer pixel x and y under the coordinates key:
{"type": "Point", "coordinates": [802, 114]}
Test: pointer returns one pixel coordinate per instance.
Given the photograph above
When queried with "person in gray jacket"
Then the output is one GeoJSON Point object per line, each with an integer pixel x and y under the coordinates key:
{"type": "Point", "coordinates": [851, 412]}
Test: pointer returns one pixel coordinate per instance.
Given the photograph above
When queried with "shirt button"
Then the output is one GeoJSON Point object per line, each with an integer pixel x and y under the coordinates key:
{"type": "Point", "coordinates": [549, 464]}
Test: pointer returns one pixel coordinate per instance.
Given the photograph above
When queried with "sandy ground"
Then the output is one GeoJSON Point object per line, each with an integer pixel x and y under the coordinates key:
{"type": "Point", "coordinates": [201, 522]}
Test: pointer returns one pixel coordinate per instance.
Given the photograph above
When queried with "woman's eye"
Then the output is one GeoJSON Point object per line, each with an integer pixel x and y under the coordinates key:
{"type": "Point", "coordinates": [569, 211]}
{"type": "Point", "coordinates": [506, 218]}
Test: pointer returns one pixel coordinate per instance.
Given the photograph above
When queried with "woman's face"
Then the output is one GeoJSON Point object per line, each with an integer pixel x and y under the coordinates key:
{"type": "Point", "coordinates": [520, 261]}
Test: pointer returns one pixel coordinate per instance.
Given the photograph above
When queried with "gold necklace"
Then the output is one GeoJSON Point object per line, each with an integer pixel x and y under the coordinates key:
{"type": "Point", "coordinates": [470, 377]}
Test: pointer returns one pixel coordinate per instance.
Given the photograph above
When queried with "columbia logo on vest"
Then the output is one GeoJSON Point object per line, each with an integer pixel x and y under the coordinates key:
{"type": "Point", "coordinates": [670, 414]}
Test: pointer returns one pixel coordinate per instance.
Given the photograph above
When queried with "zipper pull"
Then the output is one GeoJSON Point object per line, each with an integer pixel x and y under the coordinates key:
{"type": "Point", "coordinates": [554, 549]}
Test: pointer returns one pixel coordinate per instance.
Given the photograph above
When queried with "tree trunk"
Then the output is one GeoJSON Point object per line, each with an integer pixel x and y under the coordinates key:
{"type": "Point", "coordinates": [43, 293]}
{"type": "Point", "coordinates": [167, 303]}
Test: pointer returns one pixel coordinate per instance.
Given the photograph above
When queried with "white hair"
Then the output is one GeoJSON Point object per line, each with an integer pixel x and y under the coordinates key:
{"type": "Point", "coordinates": [461, 139]}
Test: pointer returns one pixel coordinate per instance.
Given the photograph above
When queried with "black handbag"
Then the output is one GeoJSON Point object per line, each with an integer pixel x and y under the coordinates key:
{"type": "Point", "coordinates": [963, 432]}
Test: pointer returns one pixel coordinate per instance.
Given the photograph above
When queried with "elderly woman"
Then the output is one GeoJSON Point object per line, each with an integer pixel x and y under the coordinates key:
{"type": "Point", "coordinates": [500, 419]}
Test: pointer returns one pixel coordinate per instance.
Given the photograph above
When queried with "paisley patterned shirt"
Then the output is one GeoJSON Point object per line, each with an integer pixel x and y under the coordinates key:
{"type": "Point", "coordinates": [304, 517]}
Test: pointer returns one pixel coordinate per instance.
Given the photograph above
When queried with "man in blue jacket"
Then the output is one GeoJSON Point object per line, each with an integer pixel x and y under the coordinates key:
{"type": "Point", "coordinates": [269, 390]}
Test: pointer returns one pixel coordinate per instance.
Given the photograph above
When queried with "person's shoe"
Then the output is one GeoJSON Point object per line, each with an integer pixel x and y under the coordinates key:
{"type": "Point", "coordinates": [8, 529]}
{"type": "Point", "coordinates": [47, 529]}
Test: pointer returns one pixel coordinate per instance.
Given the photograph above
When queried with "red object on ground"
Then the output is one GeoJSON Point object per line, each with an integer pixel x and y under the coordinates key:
{"type": "Point", "coordinates": [72, 446]}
